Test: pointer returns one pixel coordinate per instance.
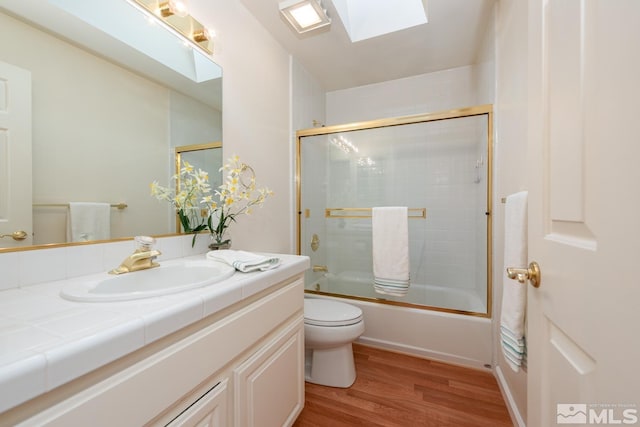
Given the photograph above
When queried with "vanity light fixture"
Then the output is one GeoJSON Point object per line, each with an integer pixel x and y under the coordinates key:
{"type": "Point", "coordinates": [173, 7]}
{"type": "Point", "coordinates": [202, 35]}
{"type": "Point", "coordinates": [175, 15]}
{"type": "Point", "coordinates": [304, 15]}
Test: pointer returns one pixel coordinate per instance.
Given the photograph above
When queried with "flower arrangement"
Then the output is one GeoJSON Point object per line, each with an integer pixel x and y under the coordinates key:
{"type": "Point", "coordinates": [188, 198]}
{"type": "Point", "coordinates": [237, 195]}
{"type": "Point", "coordinates": [196, 207]}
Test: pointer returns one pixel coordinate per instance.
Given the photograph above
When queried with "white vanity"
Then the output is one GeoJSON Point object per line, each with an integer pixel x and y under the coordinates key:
{"type": "Point", "coordinates": [228, 354]}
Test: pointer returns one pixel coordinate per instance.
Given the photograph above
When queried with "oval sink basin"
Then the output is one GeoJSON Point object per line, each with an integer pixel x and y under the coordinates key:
{"type": "Point", "coordinates": [163, 280]}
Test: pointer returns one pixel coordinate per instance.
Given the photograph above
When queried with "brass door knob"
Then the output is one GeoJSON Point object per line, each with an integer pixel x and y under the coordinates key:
{"type": "Point", "coordinates": [16, 235]}
{"type": "Point", "coordinates": [532, 274]}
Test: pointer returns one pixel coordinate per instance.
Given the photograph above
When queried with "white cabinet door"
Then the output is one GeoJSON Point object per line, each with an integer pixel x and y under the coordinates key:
{"type": "Point", "coordinates": [269, 386]}
{"type": "Point", "coordinates": [15, 155]}
{"type": "Point", "coordinates": [208, 411]}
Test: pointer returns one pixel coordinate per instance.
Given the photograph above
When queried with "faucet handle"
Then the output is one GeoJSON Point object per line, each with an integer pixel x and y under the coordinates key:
{"type": "Point", "coordinates": [145, 242]}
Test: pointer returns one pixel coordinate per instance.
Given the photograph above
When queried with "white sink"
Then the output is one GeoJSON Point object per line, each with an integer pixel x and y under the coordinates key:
{"type": "Point", "coordinates": [167, 279]}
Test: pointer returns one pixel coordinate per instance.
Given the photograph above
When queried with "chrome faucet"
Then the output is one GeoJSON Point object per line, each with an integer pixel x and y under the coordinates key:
{"type": "Point", "coordinates": [142, 259]}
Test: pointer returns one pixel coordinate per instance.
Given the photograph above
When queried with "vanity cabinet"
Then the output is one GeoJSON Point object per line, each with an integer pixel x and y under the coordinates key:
{"type": "Point", "coordinates": [243, 366]}
{"type": "Point", "coordinates": [209, 410]}
{"type": "Point", "coordinates": [269, 386]}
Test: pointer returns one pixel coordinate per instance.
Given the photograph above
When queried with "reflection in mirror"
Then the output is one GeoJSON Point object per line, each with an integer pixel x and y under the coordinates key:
{"type": "Point", "coordinates": [207, 157]}
{"type": "Point", "coordinates": [105, 122]}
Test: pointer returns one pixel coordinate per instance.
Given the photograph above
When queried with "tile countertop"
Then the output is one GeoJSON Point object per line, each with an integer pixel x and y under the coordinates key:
{"type": "Point", "coordinates": [46, 341]}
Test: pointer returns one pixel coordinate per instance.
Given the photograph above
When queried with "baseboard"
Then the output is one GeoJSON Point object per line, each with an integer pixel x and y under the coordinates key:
{"type": "Point", "coordinates": [424, 353]}
{"type": "Point", "coordinates": [516, 417]}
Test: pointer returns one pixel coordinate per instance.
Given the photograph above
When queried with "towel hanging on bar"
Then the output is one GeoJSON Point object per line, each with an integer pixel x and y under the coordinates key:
{"type": "Point", "coordinates": [88, 221]}
{"type": "Point", "coordinates": [390, 244]}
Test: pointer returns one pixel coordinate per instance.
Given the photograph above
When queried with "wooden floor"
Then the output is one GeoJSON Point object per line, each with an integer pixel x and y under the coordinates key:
{"type": "Point", "coordinates": [398, 390]}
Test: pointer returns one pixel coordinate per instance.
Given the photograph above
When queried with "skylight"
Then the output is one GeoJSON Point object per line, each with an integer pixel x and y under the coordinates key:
{"type": "Point", "coordinates": [365, 19]}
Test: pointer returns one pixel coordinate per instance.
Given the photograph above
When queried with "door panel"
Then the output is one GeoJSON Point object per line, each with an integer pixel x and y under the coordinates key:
{"type": "Point", "coordinates": [584, 63]}
{"type": "Point", "coordinates": [15, 154]}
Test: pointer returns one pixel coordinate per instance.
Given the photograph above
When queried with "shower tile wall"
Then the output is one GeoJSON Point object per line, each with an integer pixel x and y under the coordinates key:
{"type": "Point", "coordinates": [404, 169]}
{"type": "Point", "coordinates": [437, 91]}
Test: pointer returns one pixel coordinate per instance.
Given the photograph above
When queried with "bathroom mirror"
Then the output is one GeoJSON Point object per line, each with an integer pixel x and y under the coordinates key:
{"type": "Point", "coordinates": [207, 157]}
{"type": "Point", "coordinates": [105, 122]}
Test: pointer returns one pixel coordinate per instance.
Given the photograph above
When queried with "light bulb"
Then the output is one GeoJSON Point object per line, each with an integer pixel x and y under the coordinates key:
{"type": "Point", "coordinates": [173, 7]}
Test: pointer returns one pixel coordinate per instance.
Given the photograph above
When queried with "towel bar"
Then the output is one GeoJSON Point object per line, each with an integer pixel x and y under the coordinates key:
{"type": "Point", "coordinates": [414, 213]}
{"type": "Point", "coordinates": [66, 205]}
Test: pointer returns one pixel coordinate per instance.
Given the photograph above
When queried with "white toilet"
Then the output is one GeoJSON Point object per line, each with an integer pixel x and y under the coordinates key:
{"type": "Point", "coordinates": [329, 329]}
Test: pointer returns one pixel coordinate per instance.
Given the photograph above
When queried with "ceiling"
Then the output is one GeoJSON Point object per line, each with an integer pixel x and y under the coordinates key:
{"type": "Point", "coordinates": [450, 39]}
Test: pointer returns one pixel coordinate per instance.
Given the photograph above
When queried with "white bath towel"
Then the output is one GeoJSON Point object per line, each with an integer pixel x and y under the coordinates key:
{"type": "Point", "coordinates": [88, 221]}
{"type": "Point", "coordinates": [390, 243]}
{"type": "Point", "coordinates": [514, 293]}
{"type": "Point", "coordinates": [244, 261]}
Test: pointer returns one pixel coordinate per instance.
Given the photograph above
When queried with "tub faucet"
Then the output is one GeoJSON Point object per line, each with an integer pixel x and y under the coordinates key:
{"type": "Point", "coordinates": [320, 268]}
{"type": "Point", "coordinates": [142, 259]}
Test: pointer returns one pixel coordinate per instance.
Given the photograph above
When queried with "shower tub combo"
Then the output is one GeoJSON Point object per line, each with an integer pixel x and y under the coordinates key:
{"type": "Point", "coordinates": [439, 166]}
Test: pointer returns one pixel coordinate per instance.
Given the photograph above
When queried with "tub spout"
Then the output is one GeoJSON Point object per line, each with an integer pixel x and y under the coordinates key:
{"type": "Point", "coordinates": [317, 268]}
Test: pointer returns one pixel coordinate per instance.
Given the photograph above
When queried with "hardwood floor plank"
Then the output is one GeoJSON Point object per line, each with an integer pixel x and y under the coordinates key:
{"type": "Point", "coordinates": [394, 390]}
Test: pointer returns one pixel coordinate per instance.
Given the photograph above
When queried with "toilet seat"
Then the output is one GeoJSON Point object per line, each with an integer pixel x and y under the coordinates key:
{"type": "Point", "coordinates": [321, 312]}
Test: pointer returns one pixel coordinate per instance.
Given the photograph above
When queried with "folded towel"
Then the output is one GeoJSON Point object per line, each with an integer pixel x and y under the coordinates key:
{"type": "Point", "coordinates": [390, 243]}
{"type": "Point", "coordinates": [244, 261]}
{"type": "Point", "coordinates": [514, 293]}
{"type": "Point", "coordinates": [88, 221]}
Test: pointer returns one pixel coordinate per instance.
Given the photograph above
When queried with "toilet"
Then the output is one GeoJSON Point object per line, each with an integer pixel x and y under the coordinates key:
{"type": "Point", "coordinates": [329, 329]}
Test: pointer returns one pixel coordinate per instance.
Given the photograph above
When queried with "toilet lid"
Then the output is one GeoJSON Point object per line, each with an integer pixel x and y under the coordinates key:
{"type": "Point", "coordinates": [322, 312]}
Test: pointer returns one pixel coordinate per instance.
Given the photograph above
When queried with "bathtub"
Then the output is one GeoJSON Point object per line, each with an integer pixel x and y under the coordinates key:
{"type": "Point", "coordinates": [359, 284]}
{"type": "Point", "coordinates": [456, 338]}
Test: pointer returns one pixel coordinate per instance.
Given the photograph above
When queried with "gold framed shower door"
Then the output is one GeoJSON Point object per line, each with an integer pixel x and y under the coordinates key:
{"type": "Point", "coordinates": [480, 110]}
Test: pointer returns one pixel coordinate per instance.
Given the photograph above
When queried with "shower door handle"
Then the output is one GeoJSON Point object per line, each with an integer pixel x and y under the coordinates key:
{"type": "Point", "coordinates": [532, 274]}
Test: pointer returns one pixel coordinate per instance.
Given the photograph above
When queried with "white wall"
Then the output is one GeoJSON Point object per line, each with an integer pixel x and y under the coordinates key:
{"type": "Point", "coordinates": [192, 122]}
{"type": "Point", "coordinates": [256, 118]}
{"type": "Point", "coordinates": [510, 149]}
{"type": "Point", "coordinates": [425, 93]}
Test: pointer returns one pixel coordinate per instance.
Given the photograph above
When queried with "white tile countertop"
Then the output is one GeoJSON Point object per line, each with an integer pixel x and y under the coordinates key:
{"type": "Point", "coordinates": [47, 341]}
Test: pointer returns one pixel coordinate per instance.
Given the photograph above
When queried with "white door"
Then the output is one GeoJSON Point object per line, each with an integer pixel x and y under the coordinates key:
{"type": "Point", "coordinates": [584, 212]}
{"type": "Point", "coordinates": [15, 155]}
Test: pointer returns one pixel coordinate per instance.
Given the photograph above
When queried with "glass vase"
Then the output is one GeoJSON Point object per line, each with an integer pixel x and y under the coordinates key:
{"type": "Point", "coordinates": [220, 242]}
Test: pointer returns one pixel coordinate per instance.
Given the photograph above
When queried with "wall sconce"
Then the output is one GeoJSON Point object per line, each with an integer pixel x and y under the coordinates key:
{"type": "Point", "coordinates": [175, 14]}
{"type": "Point", "coordinates": [304, 15]}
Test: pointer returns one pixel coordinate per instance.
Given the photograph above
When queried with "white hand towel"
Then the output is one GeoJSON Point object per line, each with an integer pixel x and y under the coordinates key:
{"type": "Point", "coordinates": [514, 293]}
{"type": "Point", "coordinates": [88, 221]}
{"type": "Point", "coordinates": [244, 261]}
{"type": "Point", "coordinates": [390, 243]}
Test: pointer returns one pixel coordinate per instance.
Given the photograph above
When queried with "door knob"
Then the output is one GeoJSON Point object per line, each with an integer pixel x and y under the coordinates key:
{"type": "Point", "coordinates": [16, 235]}
{"type": "Point", "coordinates": [532, 274]}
